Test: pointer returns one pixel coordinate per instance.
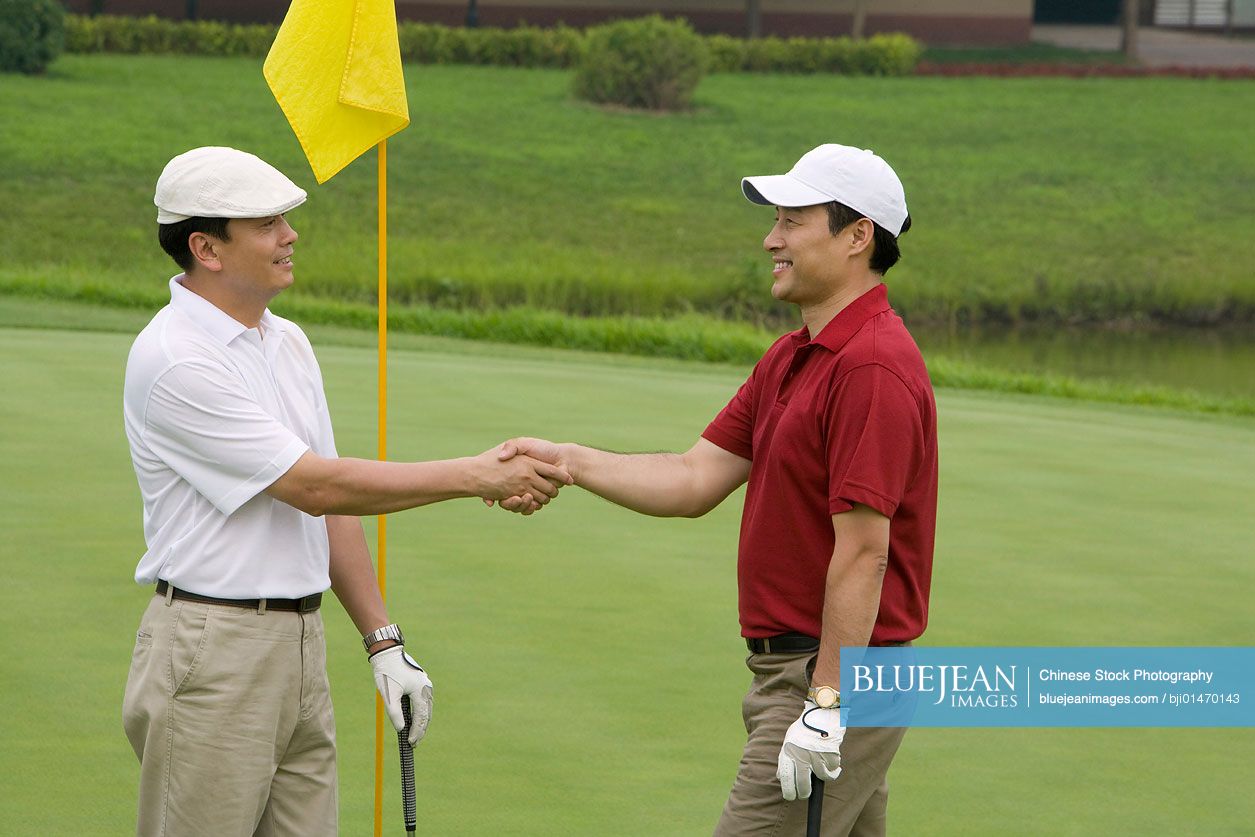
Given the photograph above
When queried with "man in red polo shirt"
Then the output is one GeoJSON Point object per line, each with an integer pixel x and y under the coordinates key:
{"type": "Point", "coordinates": [836, 431]}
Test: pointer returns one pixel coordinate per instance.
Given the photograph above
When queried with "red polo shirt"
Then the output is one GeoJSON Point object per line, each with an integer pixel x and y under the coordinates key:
{"type": "Point", "coordinates": [848, 417]}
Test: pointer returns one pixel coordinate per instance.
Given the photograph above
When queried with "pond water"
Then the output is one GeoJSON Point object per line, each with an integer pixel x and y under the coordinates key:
{"type": "Point", "coordinates": [1213, 361]}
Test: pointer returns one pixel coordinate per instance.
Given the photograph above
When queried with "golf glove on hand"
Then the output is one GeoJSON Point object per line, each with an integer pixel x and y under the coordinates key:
{"type": "Point", "coordinates": [812, 745]}
{"type": "Point", "coordinates": [396, 674]}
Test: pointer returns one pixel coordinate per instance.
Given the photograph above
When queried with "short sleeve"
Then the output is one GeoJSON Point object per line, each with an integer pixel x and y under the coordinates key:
{"type": "Point", "coordinates": [733, 428]}
{"type": "Point", "coordinates": [874, 440]}
{"type": "Point", "coordinates": [205, 425]}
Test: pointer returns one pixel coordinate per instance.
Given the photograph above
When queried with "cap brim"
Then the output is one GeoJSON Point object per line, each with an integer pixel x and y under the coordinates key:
{"type": "Point", "coordinates": [781, 190]}
{"type": "Point", "coordinates": [166, 216]}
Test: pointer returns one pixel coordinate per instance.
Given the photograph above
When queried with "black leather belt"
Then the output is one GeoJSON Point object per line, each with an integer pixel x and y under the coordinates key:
{"type": "Point", "coordinates": [795, 644]}
{"type": "Point", "coordinates": [783, 644]}
{"type": "Point", "coordinates": [302, 605]}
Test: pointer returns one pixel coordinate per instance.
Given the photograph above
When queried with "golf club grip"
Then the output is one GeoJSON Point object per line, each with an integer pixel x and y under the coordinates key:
{"type": "Point", "coordinates": [815, 807]}
{"type": "Point", "coordinates": [407, 768]}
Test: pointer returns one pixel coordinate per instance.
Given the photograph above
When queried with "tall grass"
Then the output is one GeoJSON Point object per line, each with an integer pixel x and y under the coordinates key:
{"type": "Point", "coordinates": [692, 337]}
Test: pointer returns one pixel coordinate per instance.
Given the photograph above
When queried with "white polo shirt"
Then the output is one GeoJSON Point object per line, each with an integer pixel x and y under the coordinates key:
{"type": "Point", "coordinates": [215, 412]}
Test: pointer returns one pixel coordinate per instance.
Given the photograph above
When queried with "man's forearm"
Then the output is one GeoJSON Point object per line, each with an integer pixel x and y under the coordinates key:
{"type": "Point", "coordinates": [353, 578]}
{"type": "Point", "coordinates": [367, 487]}
{"type": "Point", "coordinates": [658, 484]}
{"type": "Point", "coordinates": [851, 602]}
{"type": "Point", "coordinates": [320, 485]}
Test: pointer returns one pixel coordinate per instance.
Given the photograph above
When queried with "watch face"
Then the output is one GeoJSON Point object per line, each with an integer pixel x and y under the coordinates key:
{"type": "Point", "coordinates": [825, 697]}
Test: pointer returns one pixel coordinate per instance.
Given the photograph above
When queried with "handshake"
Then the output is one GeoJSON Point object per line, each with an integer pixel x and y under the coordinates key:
{"type": "Point", "coordinates": [522, 474]}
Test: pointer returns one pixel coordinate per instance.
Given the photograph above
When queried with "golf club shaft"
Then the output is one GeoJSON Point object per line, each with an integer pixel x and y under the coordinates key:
{"type": "Point", "coordinates": [407, 768]}
{"type": "Point", "coordinates": [815, 807]}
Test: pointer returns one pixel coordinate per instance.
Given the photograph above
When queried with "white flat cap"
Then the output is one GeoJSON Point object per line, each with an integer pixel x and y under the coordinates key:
{"type": "Point", "coordinates": [855, 177]}
{"type": "Point", "coordinates": [218, 182]}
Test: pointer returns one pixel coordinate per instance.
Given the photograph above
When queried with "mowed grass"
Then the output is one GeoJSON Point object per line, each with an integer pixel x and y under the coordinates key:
{"type": "Point", "coordinates": [613, 636]}
{"type": "Point", "coordinates": [1056, 199]}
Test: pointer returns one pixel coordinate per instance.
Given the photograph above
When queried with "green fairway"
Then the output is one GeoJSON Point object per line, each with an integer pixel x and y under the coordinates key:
{"type": "Point", "coordinates": [615, 636]}
{"type": "Point", "coordinates": [1061, 199]}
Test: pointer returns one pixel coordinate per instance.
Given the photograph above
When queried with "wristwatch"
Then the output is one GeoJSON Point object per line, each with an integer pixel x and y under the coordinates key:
{"type": "Point", "coordinates": [386, 632]}
{"type": "Point", "coordinates": [825, 697]}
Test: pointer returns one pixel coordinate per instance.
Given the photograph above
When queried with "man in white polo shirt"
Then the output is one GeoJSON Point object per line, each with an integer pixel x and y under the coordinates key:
{"type": "Point", "coordinates": [249, 515]}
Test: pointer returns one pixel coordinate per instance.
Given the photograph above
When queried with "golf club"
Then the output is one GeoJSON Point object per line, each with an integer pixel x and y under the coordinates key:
{"type": "Point", "coordinates": [815, 807]}
{"type": "Point", "coordinates": [407, 768]}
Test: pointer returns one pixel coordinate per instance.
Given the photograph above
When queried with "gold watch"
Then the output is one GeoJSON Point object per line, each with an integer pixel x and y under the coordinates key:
{"type": "Point", "coordinates": [825, 697]}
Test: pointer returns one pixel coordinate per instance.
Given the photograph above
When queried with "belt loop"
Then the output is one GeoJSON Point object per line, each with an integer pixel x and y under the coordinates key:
{"type": "Point", "coordinates": [261, 607]}
{"type": "Point", "coordinates": [766, 645]}
{"type": "Point", "coordinates": [169, 594]}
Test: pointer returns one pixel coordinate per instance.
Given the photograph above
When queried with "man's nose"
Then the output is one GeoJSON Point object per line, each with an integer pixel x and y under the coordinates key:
{"type": "Point", "coordinates": [773, 241]}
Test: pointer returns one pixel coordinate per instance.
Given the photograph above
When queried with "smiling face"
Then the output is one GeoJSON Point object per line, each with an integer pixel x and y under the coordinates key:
{"type": "Point", "coordinates": [811, 264]}
{"type": "Point", "coordinates": [257, 259]}
{"type": "Point", "coordinates": [807, 259]}
{"type": "Point", "coordinates": [249, 267]}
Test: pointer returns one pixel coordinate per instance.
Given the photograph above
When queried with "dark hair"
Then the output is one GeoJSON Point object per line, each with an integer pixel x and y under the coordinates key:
{"type": "Point", "coordinates": [885, 252]}
{"type": "Point", "coordinates": [173, 237]}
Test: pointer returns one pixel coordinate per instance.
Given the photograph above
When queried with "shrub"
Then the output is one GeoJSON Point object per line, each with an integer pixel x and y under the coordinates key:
{"type": "Point", "coordinates": [32, 34]}
{"type": "Point", "coordinates": [648, 62]}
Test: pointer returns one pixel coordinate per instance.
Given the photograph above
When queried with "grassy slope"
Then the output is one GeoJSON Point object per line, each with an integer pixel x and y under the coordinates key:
{"type": "Point", "coordinates": [1060, 524]}
{"type": "Point", "coordinates": [1078, 199]}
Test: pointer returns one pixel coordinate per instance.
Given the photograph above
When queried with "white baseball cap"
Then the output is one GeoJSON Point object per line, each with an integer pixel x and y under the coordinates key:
{"type": "Point", "coordinates": [218, 182]}
{"type": "Point", "coordinates": [853, 176]}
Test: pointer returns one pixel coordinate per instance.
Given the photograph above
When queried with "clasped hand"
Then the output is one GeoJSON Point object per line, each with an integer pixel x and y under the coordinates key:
{"type": "Point", "coordinates": [812, 745]}
{"type": "Point", "coordinates": [546, 455]}
{"type": "Point", "coordinates": [522, 480]}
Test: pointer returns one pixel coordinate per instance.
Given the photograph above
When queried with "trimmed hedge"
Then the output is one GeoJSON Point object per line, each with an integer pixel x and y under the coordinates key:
{"type": "Point", "coordinates": [154, 35]}
{"type": "Point", "coordinates": [557, 47]}
{"type": "Point", "coordinates": [879, 55]}
{"type": "Point", "coordinates": [527, 46]}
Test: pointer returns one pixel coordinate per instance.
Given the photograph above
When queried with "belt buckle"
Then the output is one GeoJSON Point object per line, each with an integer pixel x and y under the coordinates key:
{"type": "Point", "coordinates": [306, 604]}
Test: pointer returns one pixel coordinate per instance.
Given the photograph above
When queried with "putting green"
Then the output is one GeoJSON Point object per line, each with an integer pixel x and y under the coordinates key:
{"type": "Point", "coordinates": [614, 635]}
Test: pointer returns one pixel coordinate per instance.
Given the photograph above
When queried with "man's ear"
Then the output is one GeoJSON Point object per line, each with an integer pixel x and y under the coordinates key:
{"type": "Point", "coordinates": [202, 246]}
{"type": "Point", "coordinates": [862, 235]}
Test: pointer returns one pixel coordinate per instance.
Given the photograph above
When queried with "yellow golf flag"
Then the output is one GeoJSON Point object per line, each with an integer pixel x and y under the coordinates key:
{"type": "Point", "coordinates": [335, 69]}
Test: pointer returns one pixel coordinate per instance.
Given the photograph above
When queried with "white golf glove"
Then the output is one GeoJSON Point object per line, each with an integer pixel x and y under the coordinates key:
{"type": "Point", "coordinates": [396, 674]}
{"type": "Point", "coordinates": [807, 751]}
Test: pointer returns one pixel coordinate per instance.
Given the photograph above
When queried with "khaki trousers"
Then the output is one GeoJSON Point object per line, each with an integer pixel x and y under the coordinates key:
{"type": "Point", "coordinates": [854, 804]}
{"type": "Point", "coordinates": [230, 715]}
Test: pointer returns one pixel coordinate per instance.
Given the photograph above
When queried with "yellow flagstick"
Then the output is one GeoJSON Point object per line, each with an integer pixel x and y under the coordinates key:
{"type": "Point", "coordinates": [383, 451]}
{"type": "Point", "coordinates": [335, 70]}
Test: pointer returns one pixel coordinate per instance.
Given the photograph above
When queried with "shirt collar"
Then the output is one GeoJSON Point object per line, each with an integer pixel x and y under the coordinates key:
{"type": "Point", "coordinates": [850, 319]}
{"type": "Point", "coordinates": [218, 323]}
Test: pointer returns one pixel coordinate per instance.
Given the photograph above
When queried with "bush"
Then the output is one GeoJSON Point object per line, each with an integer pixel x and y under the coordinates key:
{"type": "Point", "coordinates": [649, 62]}
{"type": "Point", "coordinates": [32, 34]}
